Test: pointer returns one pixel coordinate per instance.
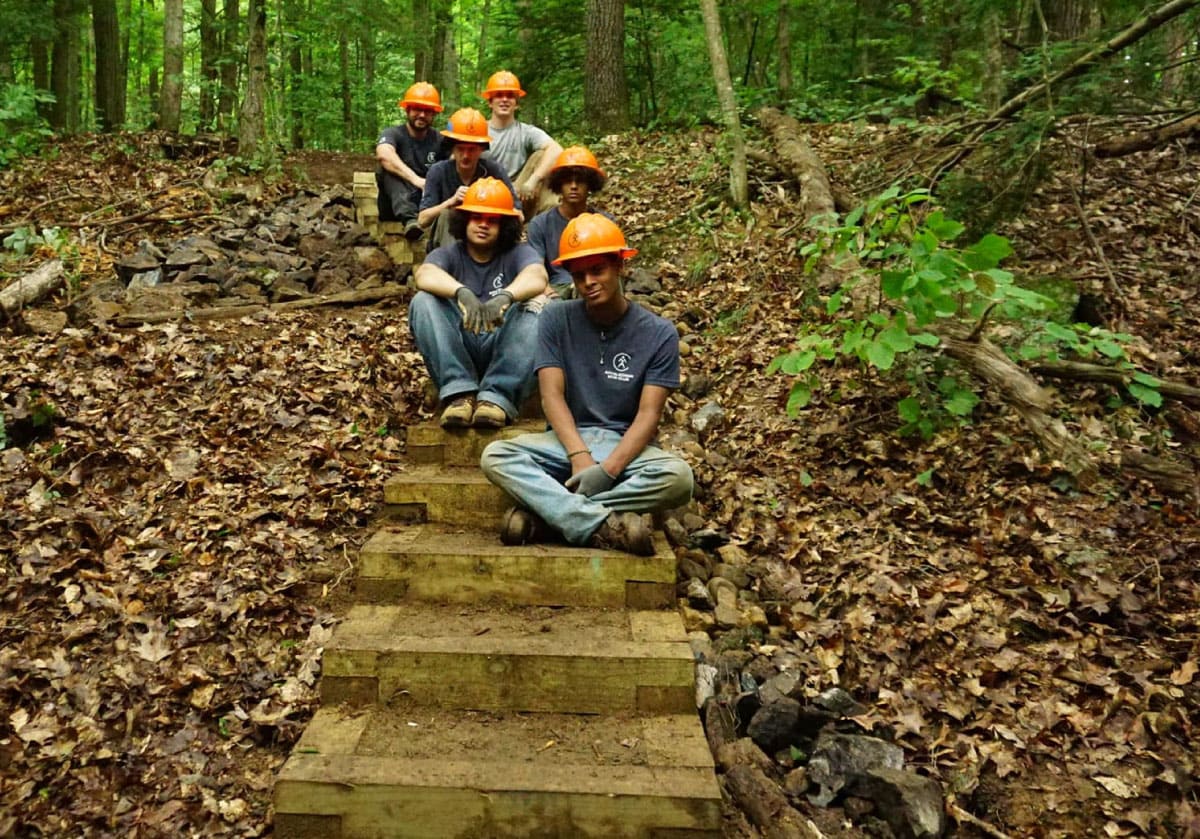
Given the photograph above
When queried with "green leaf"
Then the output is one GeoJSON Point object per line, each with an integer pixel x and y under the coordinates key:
{"type": "Point", "coordinates": [1146, 395]}
{"type": "Point", "coordinates": [1062, 333]}
{"type": "Point", "coordinates": [897, 339]}
{"type": "Point", "coordinates": [909, 409]}
{"type": "Point", "coordinates": [926, 339]}
{"type": "Point", "coordinates": [854, 215]}
{"type": "Point", "coordinates": [799, 397]}
{"type": "Point", "coordinates": [805, 478]}
{"type": "Point", "coordinates": [834, 302]}
{"type": "Point", "coordinates": [1110, 348]}
{"type": "Point", "coordinates": [880, 354]}
{"type": "Point", "coordinates": [988, 252]}
{"type": "Point", "coordinates": [962, 403]}
{"type": "Point", "coordinates": [894, 283]}
{"type": "Point", "coordinates": [946, 229]}
{"type": "Point", "coordinates": [1146, 379]}
{"type": "Point", "coordinates": [925, 478]}
{"type": "Point", "coordinates": [797, 362]}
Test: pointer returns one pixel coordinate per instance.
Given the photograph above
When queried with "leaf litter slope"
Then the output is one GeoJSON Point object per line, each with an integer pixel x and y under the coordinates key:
{"type": "Point", "coordinates": [176, 551]}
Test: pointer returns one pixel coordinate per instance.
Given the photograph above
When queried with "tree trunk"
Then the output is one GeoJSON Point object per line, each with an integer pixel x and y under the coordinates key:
{"type": "Point", "coordinates": [422, 63]}
{"type": "Point", "coordinates": [605, 92]}
{"type": "Point", "coordinates": [250, 117]}
{"type": "Point", "coordinates": [210, 52]}
{"type": "Point", "coordinates": [485, 17]}
{"type": "Point", "coordinates": [783, 48]}
{"type": "Point", "coordinates": [170, 100]}
{"type": "Point", "coordinates": [230, 52]}
{"type": "Point", "coordinates": [993, 58]}
{"type": "Point", "coordinates": [64, 69]}
{"type": "Point", "coordinates": [123, 84]}
{"type": "Point", "coordinates": [738, 188]}
{"type": "Point", "coordinates": [344, 87]}
{"type": "Point", "coordinates": [108, 75]}
{"type": "Point", "coordinates": [40, 48]}
{"type": "Point", "coordinates": [295, 58]}
{"type": "Point", "coordinates": [1152, 139]}
{"type": "Point", "coordinates": [1084, 372]}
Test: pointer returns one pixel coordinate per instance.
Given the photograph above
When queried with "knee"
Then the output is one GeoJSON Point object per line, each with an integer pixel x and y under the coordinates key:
{"type": "Point", "coordinates": [679, 482]}
{"type": "Point", "coordinates": [495, 454]}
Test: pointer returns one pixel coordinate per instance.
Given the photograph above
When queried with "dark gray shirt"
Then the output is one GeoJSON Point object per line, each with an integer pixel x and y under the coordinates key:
{"type": "Point", "coordinates": [442, 180]}
{"type": "Point", "coordinates": [485, 279]}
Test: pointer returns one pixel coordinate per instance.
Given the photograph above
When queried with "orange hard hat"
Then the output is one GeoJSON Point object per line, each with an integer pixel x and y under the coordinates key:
{"type": "Point", "coordinates": [591, 233]}
{"type": "Point", "coordinates": [422, 95]}
{"type": "Point", "coordinates": [577, 156]}
{"type": "Point", "coordinates": [488, 195]}
{"type": "Point", "coordinates": [502, 81]}
{"type": "Point", "coordinates": [467, 125]}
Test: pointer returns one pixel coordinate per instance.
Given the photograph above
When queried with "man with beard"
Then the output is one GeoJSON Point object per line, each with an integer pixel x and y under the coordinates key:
{"type": "Point", "coordinates": [405, 153]}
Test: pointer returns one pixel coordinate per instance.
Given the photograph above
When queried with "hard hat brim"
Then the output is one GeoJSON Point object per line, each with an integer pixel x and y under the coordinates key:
{"type": "Point", "coordinates": [485, 210]}
{"type": "Point", "coordinates": [406, 104]}
{"type": "Point", "coordinates": [624, 253]}
{"type": "Point", "coordinates": [467, 138]}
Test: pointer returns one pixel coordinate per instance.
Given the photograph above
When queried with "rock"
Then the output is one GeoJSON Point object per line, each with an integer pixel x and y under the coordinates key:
{"type": "Point", "coordinates": [795, 783]}
{"type": "Point", "coordinates": [701, 644]}
{"type": "Point", "coordinates": [372, 260]}
{"type": "Point", "coordinates": [706, 683]}
{"type": "Point", "coordinates": [44, 321]}
{"type": "Point", "coordinates": [146, 258]}
{"type": "Point", "coordinates": [284, 289]}
{"type": "Point", "coordinates": [676, 532]}
{"type": "Point", "coordinates": [696, 386]}
{"type": "Point", "coordinates": [783, 685]}
{"type": "Point", "coordinates": [745, 705]}
{"type": "Point", "coordinates": [685, 349]}
{"type": "Point", "coordinates": [856, 807]}
{"type": "Point", "coordinates": [732, 661]}
{"type": "Point", "coordinates": [838, 701]}
{"type": "Point", "coordinates": [183, 257]}
{"type": "Point", "coordinates": [774, 726]}
{"type": "Point", "coordinates": [724, 594]}
{"type": "Point", "coordinates": [694, 563]}
{"type": "Point", "coordinates": [812, 722]}
{"type": "Point", "coordinates": [837, 759]}
{"type": "Point", "coordinates": [708, 418]}
{"type": "Point", "coordinates": [696, 621]}
{"type": "Point", "coordinates": [331, 280]}
{"type": "Point", "coordinates": [709, 539]}
{"type": "Point", "coordinates": [145, 279]}
{"type": "Point", "coordinates": [733, 573]}
{"type": "Point", "coordinates": [698, 595]}
{"type": "Point", "coordinates": [733, 555]}
{"type": "Point", "coordinates": [642, 281]}
{"type": "Point", "coordinates": [760, 669]}
{"type": "Point", "coordinates": [692, 522]}
{"type": "Point", "coordinates": [912, 804]}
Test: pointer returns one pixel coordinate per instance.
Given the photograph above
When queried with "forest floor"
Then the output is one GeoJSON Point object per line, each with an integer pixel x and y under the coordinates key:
{"type": "Point", "coordinates": [179, 529]}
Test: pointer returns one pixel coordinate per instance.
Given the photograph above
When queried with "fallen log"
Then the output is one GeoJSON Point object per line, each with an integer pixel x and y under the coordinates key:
{"type": "Point", "coordinates": [32, 287]}
{"type": "Point", "coordinates": [386, 291]}
{"type": "Point", "coordinates": [799, 161]}
{"type": "Point", "coordinates": [988, 362]}
{"type": "Point", "coordinates": [1152, 139]}
{"type": "Point", "coordinates": [1083, 372]}
{"type": "Point", "coordinates": [1168, 476]}
{"type": "Point", "coordinates": [767, 807]}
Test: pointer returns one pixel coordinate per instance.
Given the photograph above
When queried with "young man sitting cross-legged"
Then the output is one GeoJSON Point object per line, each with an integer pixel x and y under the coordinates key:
{"type": "Point", "coordinates": [605, 368]}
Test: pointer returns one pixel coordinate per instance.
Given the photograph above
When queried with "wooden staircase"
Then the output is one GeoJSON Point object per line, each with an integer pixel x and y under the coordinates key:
{"type": "Point", "coordinates": [479, 690]}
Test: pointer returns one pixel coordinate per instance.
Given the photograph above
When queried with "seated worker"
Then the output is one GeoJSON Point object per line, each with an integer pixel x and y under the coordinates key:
{"type": "Point", "coordinates": [405, 153]}
{"type": "Point", "coordinates": [464, 140]}
{"type": "Point", "coordinates": [477, 345]}
{"type": "Point", "coordinates": [516, 144]}
{"type": "Point", "coordinates": [574, 177]}
{"type": "Point", "coordinates": [593, 474]}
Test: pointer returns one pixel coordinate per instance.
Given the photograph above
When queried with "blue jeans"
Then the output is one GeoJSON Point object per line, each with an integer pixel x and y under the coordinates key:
{"type": "Point", "coordinates": [532, 468]}
{"type": "Point", "coordinates": [496, 366]}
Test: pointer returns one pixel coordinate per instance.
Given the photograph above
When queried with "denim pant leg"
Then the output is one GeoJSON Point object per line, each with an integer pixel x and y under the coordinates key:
{"type": "Point", "coordinates": [437, 330]}
{"type": "Point", "coordinates": [654, 480]}
{"type": "Point", "coordinates": [532, 469]}
{"type": "Point", "coordinates": [508, 374]}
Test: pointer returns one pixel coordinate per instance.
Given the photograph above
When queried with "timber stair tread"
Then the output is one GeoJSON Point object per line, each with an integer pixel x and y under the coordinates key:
{"type": "Point", "coordinates": [451, 494]}
{"type": "Point", "coordinates": [451, 563]}
{"type": "Point", "coordinates": [528, 659]}
{"type": "Point", "coordinates": [408, 771]}
{"type": "Point", "coordinates": [429, 443]}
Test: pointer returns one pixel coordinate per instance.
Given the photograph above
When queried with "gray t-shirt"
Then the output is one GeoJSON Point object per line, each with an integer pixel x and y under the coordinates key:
{"type": "Point", "coordinates": [485, 279]}
{"type": "Point", "coordinates": [605, 368]}
{"type": "Point", "coordinates": [513, 145]}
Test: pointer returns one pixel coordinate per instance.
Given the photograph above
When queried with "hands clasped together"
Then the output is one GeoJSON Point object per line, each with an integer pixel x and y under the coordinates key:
{"type": "Point", "coordinates": [479, 316]}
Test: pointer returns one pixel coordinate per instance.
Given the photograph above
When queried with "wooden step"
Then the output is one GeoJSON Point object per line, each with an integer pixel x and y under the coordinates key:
{"type": "Point", "coordinates": [452, 495]}
{"type": "Point", "coordinates": [408, 773]}
{"type": "Point", "coordinates": [518, 659]}
{"type": "Point", "coordinates": [448, 564]}
{"type": "Point", "coordinates": [430, 443]}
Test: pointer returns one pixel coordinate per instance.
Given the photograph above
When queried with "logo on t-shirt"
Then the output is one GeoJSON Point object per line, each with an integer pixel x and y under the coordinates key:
{"type": "Point", "coordinates": [498, 280]}
{"type": "Point", "coordinates": [621, 363]}
{"type": "Point", "coordinates": [431, 157]}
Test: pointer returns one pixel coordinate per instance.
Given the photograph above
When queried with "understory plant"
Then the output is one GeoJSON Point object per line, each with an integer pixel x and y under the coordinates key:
{"type": "Point", "coordinates": [909, 281]}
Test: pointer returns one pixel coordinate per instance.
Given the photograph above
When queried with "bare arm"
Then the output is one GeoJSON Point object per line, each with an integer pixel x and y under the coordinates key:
{"type": "Point", "coordinates": [529, 283]}
{"type": "Point", "coordinates": [639, 434]}
{"type": "Point", "coordinates": [437, 282]}
{"type": "Point", "coordinates": [533, 184]}
{"type": "Point", "coordinates": [427, 216]}
{"type": "Point", "coordinates": [386, 154]}
{"type": "Point", "coordinates": [552, 385]}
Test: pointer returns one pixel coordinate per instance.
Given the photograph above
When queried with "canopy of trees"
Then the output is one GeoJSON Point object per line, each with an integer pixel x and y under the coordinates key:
{"type": "Point", "coordinates": [322, 74]}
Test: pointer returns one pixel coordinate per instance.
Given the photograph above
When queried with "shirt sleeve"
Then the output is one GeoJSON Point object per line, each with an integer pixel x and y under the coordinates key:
{"type": "Point", "coordinates": [535, 233]}
{"type": "Point", "coordinates": [444, 258]}
{"type": "Point", "coordinates": [535, 138]}
{"type": "Point", "coordinates": [523, 256]}
{"type": "Point", "coordinates": [435, 185]}
{"type": "Point", "coordinates": [663, 369]}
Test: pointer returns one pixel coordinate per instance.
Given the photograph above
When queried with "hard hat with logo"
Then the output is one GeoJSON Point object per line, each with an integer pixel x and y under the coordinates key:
{"type": "Point", "coordinates": [577, 156]}
{"type": "Point", "coordinates": [502, 81]}
{"type": "Point", "coordinates": [467, 125]}
{"type": "Point", "coordinates": [422, 95]}
{"type": "Point", "coordinates": [591, 233]}
{"type": "Point", "coordinates": [490, 196]}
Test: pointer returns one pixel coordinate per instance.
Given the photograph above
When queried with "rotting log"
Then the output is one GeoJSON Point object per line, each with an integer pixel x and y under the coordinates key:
{"type": "Point", "coordinates": [386, 291]}
{"type": "Point", "coordinates": [32, 287]}
{"type": "Point", "coordinates": [767, 807]}
{"type": "Point", "coordinates": [1099, 373]}
{"type": "Point", "coordinates": [1151, 139]}
{"type": "Point", "coordinates": [1031, 401]}
{"type": "Point", "coordinates": [1168, 476]}
{"type": "Point", "coordinates": [798, 160]}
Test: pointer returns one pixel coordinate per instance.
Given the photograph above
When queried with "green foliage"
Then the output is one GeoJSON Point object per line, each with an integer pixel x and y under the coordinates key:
{"type": "Point", "coordinates": [24, 240]}
{"type": "Point", "coordinates": [1056, 341]}
{"type": "Point", "coordinates": [3, 432]}
{"type": "Point", "coordinates": [919, 277]}
{"type": "Point", "coordinates": [22, 130]}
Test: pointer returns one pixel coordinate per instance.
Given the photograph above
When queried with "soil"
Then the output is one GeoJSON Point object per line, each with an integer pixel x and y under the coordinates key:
{"type": "Point", "coordinates": [327, 168]}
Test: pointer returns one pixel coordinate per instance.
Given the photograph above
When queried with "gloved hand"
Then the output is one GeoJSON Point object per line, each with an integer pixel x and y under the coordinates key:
{"type": "Point", "coordinates": [494, 309]}
{"type": "Point", "coordinates": [471, 308]}
{"type": "Point", "coordinates": [591, 481]}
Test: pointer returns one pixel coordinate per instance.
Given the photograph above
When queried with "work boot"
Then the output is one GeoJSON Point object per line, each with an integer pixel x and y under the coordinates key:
{"type": "Point", "coordinates": [413, 231]}
{"type": "Point", "coordinates": [458, 413]}
{"type": "Point", "coordinates": [523, 527]}
{"type": "Point", "coordinates": [624, 532]}
{"type": "Point", "coordinates": [489, 415]}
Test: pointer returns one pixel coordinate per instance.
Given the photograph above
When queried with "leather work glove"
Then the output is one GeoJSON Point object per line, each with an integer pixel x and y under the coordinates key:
{"type": "Point", "coordinates": [471, 308]}
{"type": "Point", "coordinates": [494, 309]}
{"type": "Point", "coordinates": [591, 481]}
